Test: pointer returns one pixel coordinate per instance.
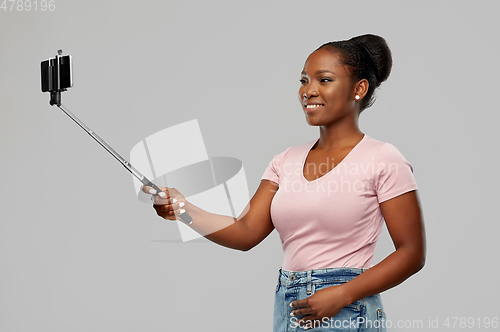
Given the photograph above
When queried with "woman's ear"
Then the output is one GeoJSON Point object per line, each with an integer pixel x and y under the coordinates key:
{"type": "Point", "coordinates": [361, 88]}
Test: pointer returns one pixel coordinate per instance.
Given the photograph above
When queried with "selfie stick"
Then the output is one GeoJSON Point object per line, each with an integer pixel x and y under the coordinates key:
{"type": "Point", "coordinates": [54, 86]}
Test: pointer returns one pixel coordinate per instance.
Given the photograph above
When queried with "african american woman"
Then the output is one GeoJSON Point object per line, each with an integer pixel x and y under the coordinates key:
{"type": "Point", "coordinates": [328, 200]}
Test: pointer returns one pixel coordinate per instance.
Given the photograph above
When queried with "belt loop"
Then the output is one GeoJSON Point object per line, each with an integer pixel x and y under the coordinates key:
{"type": "Point", "coordinates": [309, 283]}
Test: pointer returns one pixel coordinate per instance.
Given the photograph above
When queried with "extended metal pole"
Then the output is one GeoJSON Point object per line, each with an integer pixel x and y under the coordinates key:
{"type": "Point", "coordinates": [186, 218]}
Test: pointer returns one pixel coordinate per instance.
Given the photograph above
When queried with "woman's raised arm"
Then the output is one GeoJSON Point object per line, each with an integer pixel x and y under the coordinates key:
{"type": "Point", "coordinates": [243, 233]}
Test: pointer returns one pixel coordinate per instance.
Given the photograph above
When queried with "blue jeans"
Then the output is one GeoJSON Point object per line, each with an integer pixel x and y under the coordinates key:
{"type": "Point", "coordinates": [364, 315]}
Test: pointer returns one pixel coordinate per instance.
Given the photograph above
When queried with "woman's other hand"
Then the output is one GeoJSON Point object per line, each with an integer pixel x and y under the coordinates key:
{"type": "Point", "coordinates": [324, 303]}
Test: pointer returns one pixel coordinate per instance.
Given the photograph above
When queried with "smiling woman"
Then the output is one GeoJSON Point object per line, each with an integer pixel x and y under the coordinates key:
{"type": "Point", "coordinates": [328, 200]}
{"type": "Point", "coordinates": [345, 72]}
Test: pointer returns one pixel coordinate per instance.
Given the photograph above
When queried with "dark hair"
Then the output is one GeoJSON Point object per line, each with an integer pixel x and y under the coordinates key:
{"type": "Point", "coordinates": [369, 57]}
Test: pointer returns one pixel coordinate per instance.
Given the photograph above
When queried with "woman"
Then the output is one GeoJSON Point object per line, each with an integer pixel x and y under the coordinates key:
{"type": "Point", "coordinates": [328, 199]}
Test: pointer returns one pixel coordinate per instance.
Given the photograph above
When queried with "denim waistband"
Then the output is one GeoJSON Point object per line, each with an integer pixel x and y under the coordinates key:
{"type": "Point", "coordinates": [318, 276]}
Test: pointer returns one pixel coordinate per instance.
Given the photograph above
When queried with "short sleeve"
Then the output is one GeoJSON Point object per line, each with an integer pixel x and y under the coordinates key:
{"type": "Point", "coordinates": [394, 175]}
{"type": "Point", "coordinates": [273, 170]}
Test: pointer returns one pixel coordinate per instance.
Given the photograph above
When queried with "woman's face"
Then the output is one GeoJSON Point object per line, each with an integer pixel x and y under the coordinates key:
{"type": "Point", "coordinates": [326, 92]}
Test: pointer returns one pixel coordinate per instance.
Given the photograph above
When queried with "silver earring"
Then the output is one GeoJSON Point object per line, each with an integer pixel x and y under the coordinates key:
{"type": "Point", "coordinates": [357, 97]}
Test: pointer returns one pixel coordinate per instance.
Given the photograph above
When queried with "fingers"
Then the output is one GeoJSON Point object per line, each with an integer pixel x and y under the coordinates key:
{"type": "Point", "coordinates": [171, 206]}
{"type": "Point", "coordinates": [152, 191]}
{"type": "Point", "coordinates": [168, 203]}
{"type": "Point", "coordinates": [301, 312]}
{"type": "Point", "coordinates": [164, 199]}
{"type": "Point", "coordinates": [301, 306]}
{"type": "Point", "coordinates": [308, 320]}
{"type": "Point", "coordinates": [171, 210]}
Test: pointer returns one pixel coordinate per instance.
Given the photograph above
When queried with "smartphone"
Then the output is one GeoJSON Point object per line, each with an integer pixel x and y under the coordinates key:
{"type": "Point", "coordinates": [57, 73]}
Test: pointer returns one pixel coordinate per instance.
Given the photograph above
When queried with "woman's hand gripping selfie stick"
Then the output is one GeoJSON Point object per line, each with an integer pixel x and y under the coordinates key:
{"type": "Point", "coordinates": [56, 78]}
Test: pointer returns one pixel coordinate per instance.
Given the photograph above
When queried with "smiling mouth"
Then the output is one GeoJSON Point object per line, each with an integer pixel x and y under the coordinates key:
{"type": "Point", "coordinates": [312, 107]}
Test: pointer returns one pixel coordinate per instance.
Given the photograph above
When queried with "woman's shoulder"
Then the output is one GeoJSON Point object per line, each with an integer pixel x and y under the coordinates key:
{"type": "Point", "coordinates": [383, 150]}
{"type": "Point", "coordinates": [375, 143]}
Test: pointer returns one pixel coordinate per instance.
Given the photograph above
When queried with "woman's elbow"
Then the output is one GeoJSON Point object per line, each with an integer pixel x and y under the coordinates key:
{"type": "Point", "coordinates": [414, 257]}
{"type": "Point", "coordinates": [419, 261]}
{"type": "Point", "coordinates": [422, 262]}
{"type": "Point", "coordinates": [247, 245]}
{"type": "Point", "coordinates": [246, 248]}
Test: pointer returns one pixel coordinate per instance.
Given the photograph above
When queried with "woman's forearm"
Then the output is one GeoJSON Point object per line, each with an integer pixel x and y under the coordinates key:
{"type": "Point", "coordinates": [223, 230]}
{"type": "Point", "coordinates": [393, 270]}
{"type": "Point", "coordinates": [242, 233]}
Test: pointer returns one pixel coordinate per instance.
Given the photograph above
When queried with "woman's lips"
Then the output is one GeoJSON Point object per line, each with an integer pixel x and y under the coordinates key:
{"type": "Point", "coordinates": [310, 108]}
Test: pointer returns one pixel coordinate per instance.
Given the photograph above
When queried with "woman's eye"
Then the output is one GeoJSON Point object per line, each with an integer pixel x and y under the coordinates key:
{"type": "Point", "coordinates": [326, 79]}
{"type": "Point", "coordinates": [302, 81]}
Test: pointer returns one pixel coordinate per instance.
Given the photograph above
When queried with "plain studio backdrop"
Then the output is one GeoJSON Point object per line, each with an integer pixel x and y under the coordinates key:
{"type": "Point", "coordinates": [79, 252]}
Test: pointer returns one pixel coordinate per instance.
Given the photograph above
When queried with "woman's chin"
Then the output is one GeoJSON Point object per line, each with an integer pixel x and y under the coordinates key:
{"type": "Point", "coordinates": [312, 122]}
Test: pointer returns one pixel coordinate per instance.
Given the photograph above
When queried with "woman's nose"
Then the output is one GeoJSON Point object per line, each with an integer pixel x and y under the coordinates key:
{"type": "Point", "coordinates": [310, 90]}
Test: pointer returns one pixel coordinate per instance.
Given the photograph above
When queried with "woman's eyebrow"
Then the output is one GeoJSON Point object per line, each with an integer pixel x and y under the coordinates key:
{"type": "Point", "coordinates": [322, 71]}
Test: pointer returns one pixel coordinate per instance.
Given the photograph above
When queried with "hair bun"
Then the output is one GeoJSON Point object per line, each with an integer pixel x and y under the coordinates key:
{"type": "Point", "coordinates": [380, 54]}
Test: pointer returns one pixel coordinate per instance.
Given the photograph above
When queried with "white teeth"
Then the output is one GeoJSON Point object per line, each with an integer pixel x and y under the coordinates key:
{"type": "Point", "coordinates": [313, 106]}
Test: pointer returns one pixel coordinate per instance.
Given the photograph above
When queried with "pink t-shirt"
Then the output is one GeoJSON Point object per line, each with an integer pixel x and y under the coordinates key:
{"type": "Point", "coordinates": [335, 220]}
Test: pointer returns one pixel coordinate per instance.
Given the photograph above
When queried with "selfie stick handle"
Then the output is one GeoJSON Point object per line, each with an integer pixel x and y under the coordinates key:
{"type": "Point", "coordinates": [186, 218]}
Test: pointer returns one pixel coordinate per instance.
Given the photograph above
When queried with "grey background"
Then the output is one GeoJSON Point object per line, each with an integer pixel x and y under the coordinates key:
{"type": "Point", "coordinates": [79, 252]}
